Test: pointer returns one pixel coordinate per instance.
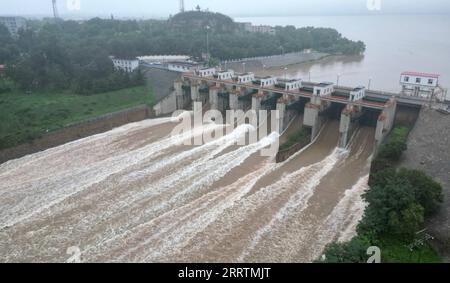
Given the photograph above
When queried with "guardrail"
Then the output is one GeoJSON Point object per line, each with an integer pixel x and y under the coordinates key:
{"type": "Point", "coordinates": [273, 89]}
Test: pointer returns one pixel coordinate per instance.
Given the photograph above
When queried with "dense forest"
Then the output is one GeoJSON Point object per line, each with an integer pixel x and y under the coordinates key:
{"type": "Point", "coordinates": [50, 56]}
{"type": "Point", "coordinates": [75, 55]}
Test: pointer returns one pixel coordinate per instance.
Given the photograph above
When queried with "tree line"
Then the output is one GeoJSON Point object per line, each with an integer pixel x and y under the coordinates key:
{"type": "Point", "coordinates": [59, 56]}
{"type": "Point", "coordinates": [75, 55]}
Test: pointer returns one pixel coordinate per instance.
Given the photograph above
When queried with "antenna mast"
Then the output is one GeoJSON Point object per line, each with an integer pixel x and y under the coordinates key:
{"type": "Point", "coordinates": [55, 10]}
{"type": "Point", "coordinates": [181, 6]}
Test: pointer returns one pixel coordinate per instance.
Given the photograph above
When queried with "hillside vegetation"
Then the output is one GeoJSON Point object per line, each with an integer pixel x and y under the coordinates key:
{"type": "Point", "coordinates": [63, 56]}
{"type": "Point", "coordinates": [53, 66]}
{"type": "Point", "coordinates": [75, 55]}
{"type": "Point", "coordinates": [399, 202]}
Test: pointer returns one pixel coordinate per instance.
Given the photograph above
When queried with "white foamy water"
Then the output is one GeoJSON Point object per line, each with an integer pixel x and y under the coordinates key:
{"type": "Point", "coordinates": [136, 194]}
{"type": "Point", "coordinates": [53, 189]}
{"type": "Point", "coordinates": [341, 224]}
{"type": "Point", "coordinates": [304, 190]}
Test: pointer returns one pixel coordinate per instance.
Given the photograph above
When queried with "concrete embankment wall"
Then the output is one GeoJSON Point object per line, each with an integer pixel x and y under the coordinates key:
{"type": "Point", "coordinates": [166, 106]}
{"type": "Point", "coordinates": [77, 131]}
{"type": "Point", "coordinates": [161, 82]}
{"type": "Point", "coordinates": [163, 90]}
{"type": "Point", "coordinates": [406, 116]}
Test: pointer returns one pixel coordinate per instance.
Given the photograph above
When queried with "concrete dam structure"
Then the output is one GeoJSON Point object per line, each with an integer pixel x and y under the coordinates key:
{"type": "Point", "coordinates": [139, 194]}
{"type": "Point", "coordinates": [228, 91]}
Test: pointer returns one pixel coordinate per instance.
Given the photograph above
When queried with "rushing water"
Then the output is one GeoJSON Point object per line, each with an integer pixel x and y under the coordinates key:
{"type": "Point", "coordinates": [135, 194]}
{"type": "Point", "coordinates": [395, 43]}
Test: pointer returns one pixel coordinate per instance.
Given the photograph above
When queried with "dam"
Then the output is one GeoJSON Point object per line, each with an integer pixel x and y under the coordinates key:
{"type": "Point", "coordinates": [229, 91]}
{"type": "Point", "coordinates": [138, 194]}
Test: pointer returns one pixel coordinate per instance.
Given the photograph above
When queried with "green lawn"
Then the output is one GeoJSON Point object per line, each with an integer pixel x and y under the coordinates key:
{"type": "Point", "coordinates": [26, 117]}
{"type": "Point", "coordinates": [396, 251]}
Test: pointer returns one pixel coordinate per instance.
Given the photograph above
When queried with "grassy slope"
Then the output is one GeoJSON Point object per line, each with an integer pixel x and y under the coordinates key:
{"type": "Point", "coordinates": [26, 117]}
{"type": "Point", "coordinates": [397, 251]}
{"type": "Point", "coordinates": [298, 136]}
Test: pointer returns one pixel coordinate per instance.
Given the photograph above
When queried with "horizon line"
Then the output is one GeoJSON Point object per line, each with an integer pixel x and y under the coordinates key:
{"type": "Point", "coordinates": [233, 15]}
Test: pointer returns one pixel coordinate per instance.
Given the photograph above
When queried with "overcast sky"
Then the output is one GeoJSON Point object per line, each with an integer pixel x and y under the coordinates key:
{"type": "Point", "coordinates": [163, 8]}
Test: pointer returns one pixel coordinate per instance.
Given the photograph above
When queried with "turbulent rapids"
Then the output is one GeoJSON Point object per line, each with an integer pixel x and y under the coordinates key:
{"type": "Point", "coordinates": [136, 194]}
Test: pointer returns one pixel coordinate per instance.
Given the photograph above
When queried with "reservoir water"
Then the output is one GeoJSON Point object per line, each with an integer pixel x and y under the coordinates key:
{"type": "Point", "coordinates": [395, 43]}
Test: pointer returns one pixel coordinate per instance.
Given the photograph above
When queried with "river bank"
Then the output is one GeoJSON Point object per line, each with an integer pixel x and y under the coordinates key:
{"type": "Point", "coordinates": [77, 131]}
{"type": "Point", "coordinates": [273, 62]}
{"type": "Point", "coordinates": [428, 150]}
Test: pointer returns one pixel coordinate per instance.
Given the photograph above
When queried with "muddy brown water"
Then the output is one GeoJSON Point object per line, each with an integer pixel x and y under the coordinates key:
{"type": "Point", "coordinates": [135, 194]}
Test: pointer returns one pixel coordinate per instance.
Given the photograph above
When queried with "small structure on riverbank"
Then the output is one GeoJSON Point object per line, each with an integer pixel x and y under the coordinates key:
{"type": "Point", "coordinates": [421, 85]}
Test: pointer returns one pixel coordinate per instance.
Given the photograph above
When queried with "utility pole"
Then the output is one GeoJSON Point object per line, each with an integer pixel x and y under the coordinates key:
{"type": "Point", "coordinates": [370, 82]}
{"type": "Point", "coordinates": [337, 81]}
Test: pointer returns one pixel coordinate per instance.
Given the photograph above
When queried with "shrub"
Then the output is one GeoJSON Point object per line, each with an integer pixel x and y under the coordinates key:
{"type": "Point", "coordinates": [354, 251]}
{"type": "Point", "coordinates": [408, 221]}
{"type": "Point", "coordinates": [399, 202]}
{"type": "Point", "coordinates": [385, 203]}
{"type": "Point", "coordinates": [427, 192]}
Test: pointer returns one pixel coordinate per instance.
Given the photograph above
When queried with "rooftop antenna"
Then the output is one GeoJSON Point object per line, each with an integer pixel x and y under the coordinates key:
{"type": "Point", "coordinates": [181, 6]}
{"type": "Point", "coordinates": [55, 10]}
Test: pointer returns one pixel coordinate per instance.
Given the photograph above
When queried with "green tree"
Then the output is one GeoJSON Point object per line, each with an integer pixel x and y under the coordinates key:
{"type": "Point", "coordinates": [8, 49]}
{"type": "Point", "coordinates": [427, 192]}
{"type": "Point", "coordinates": [395, 145]}
{"type": "Point", "coordinates": [382, 176]}
{"type": "Point", "coordinates": [396, 196]}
